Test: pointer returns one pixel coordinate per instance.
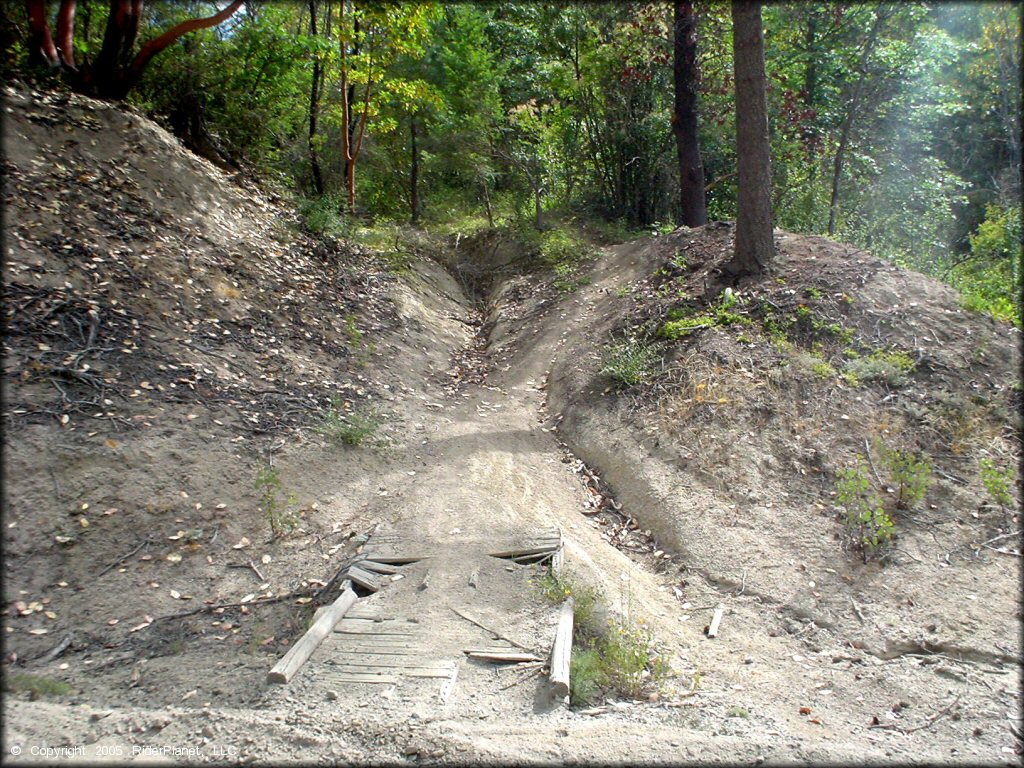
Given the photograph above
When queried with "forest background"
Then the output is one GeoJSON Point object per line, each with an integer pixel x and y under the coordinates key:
{"type": "Point", "coordinates": [893, 126]}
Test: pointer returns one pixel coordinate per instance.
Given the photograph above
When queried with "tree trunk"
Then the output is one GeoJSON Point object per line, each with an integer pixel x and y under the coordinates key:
{"type": "Point", "coordinates": [414, 173]}
{"type": "Point", "coordinates": [684, 118]}
{"type": "Point", "coordinates": [114, 72]}
{"type": "Point", "coordinates": [754, 244]}
{"type": "Point", "coordinates": [851, 115]}
{"type": "Point", "coordinates": [314, 107]}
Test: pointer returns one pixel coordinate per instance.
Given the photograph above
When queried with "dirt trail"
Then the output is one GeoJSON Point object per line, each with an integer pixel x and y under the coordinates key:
{"type": "Point", "coordinates": [463, 466]}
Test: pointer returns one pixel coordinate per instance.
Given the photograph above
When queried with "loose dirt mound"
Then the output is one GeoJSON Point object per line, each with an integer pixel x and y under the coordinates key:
{"type": "Point", "coordinates": [172, 338]}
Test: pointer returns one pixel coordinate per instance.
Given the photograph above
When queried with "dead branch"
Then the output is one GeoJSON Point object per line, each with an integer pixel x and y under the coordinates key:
{"type": "Point", "coordinates": [121, 559]}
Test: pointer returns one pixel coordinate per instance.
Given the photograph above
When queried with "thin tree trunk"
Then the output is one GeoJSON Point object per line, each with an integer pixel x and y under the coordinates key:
{"type": "Point", "coordinates": [851, 115]}
{"type": "Point", "coordinates": [414, 173]}
{"type": "Point", "coordinates": [810, 131]}
{"type": "Point", "coordinates": [487, 204]}
{"type": "Point", "coordinates": [314, 106]}
{"type": "Point", "coordinates": [684, 118]}
{"type": "Point", "coordinates": [755, 246]}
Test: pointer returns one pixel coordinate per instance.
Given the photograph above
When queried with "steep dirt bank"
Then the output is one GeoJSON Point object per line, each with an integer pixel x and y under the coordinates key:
{"type": "Point", "coordinates": [222, 337]}
{"type": "Point", "coordinates": [729, 455]}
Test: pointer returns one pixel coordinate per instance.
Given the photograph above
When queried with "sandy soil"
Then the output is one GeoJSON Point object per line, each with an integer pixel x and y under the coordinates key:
{"type": "Point", "coordinates": [126, 519]}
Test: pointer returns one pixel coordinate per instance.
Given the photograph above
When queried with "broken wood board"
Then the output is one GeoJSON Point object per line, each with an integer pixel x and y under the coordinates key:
{"type": "Point", "coordinates": [349, 677]}
{"type": "Point", "coordinates": [292, 661]}
{"type": "Point", "coordinates": [366, 579]}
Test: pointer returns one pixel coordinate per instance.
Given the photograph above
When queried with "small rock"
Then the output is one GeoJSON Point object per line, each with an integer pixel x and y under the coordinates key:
{"type": "Point", "coordinates": [208, 731]}
{"type": "Point", "coordinates": [332, 695]}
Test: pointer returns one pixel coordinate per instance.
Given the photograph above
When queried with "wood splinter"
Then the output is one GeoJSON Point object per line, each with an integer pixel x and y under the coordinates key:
{"type": "Point", "coordinates": [715, 621]}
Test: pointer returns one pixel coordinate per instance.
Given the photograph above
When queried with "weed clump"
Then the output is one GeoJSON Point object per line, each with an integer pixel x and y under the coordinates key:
{"type": "Point", "coordinates": [630, 362]}
{"type": "Point", "coordinates": [35, 685]}
{"type": "Point", "coordinates": [341, 426]}
{"type": "Point", "coordinates": [892, 367]}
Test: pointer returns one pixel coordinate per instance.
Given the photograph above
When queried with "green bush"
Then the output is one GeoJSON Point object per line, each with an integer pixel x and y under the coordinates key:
{"type": "Point", "coordinates": [866, 518]}
{"type": "Point", "coordinates": [991, 280]}
{"type": "Point", "coordinates": [997, 481]}
{"type": "Point", "coordinates": [275, 503]}
{"type": "Point", "coordinates": [322, 216]}
{"type": "Point", "coordinates": [911, 475]}
{"type": "Point", "coordinates": [586, 675]}
{"type": "Point", "coordinates": [614, 657]}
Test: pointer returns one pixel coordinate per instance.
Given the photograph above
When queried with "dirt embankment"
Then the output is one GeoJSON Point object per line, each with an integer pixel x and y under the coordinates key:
{"type": "Point", "coordinates": [171, 339]}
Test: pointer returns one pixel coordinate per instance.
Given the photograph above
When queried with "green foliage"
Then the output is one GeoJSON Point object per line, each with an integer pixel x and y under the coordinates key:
{"type": "Point", "coordinates": [912, 476]}
{"type": "Point", "coordinates": [682, 320]}
{"type": "Point", "coordinates": [348, 427]}
{"type": "Point", "coordinates": [322, 216]}
{"type": "Point", "coordinates": [586, 675]}
{"type": "Point", "coordinates": [990, 280]}
{"type": "Point", "coordinates": [997, 481]}
{"type": "Point", "coordinates": [822, 369]}
{"type": "Point", "coordinates": [275, 502]}
{"type": "Point", "coordinates": [630, 362]}
{"type": "Point", "coordinates": [36, 686]}
{"type": "Point", "coordinates": [890, 366]}
{"type": "Point", "coordinates": [866, 518]}
{"type": "Point", "coordinates": [613, 657]}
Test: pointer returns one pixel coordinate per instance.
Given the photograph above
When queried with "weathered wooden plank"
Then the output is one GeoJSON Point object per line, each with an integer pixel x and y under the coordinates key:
{"type": "Point", "coordinates": [393, 662]}
{"type": "Point", "coordinates": [302, 650]}
{"type": "Point", "coordinates": [369, 674]}
{"type": "Point", "coordinates": [523, 551]}
{"type": "Point", "coordinates": [501, 657]}
{"type": "Point", "coordinates": [355, 630]}
{"type": "Point", "coordinates": [377, 651]}
{"type": "Point", "coordinates": [562, 650]}
{"type": "Point", "coordinates": [393, 558]}
{"type": "Point", "coordinates": [349, 677]}
{"type": "Point", "coordinates": [386, 568]}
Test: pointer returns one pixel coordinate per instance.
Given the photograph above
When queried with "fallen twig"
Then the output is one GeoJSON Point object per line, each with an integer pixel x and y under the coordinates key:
{"type": "Point", "coordinates": [871, 464]}
{"type": "Point", "coordinates": [121, 559]}
{"type": "Point", "coordinates": [215, 606]}
{"type": "Point", "coordinates": [497, 634]}
{"type": "Point", "coordinates": [56, 651]}
{"type": "Point", "coordinates": [928, 724]}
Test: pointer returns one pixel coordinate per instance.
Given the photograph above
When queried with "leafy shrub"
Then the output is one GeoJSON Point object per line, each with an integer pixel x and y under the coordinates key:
{"type": "Point", "coordinates": [322, 216]}
{"type": "Point", "coordinates": [630, 362]}
{"type": "Point", "coordinates": [274, 502]}
{"type": "Point", "coordinates": [911, 475]}
{"type": "Point", "coordinates": [997, 482]}
{"type": "Point", "coordinates": [992, 281]}
{"type": "Point", "coordinates": [866, 518]}
{"type": "Point", "coordinates": [347, 427]}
